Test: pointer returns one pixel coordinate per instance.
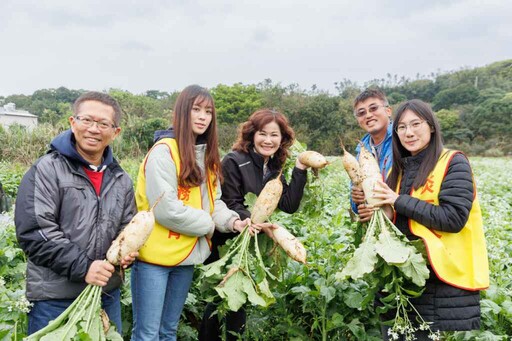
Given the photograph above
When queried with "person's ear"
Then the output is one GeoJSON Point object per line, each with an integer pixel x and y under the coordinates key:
{"type": "Point", "coordinates": [116, 133]}
{"type": "Point", "coordinates": [72, 123]}
{"type": "Point", "coordinates": [389, 111]}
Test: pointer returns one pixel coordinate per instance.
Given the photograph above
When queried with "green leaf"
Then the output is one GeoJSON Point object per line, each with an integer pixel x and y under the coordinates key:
{"type": "Point", "coordinates": [264, 289]}
{"type": "Point", "coordinates": [254, 298]}
{"type": "Point", "coordinates": [113, 335]}
{"type": "Point", "coordinates": [301, 290]}
{"type": "Point", "coordinates": [353, 299]}
{"type": "Point", "coordinates": [328, 292]}
{"type": "Point", "coordinates": [262, 269]}
{"type": "Point", "coordinates": [489, 306]}
{"type": "Point", "coordinates": [336, 321]}
{"type": "Point", "coordinates": [233, 291]}
{"type": "Point", "coordinates": [357, 328]}
{"type": "Point", "coordinates": [362, 262]}
{"type": "Point", "coordinates": [217, 267]}
{"type": "Point", "coordinates": [250, 200]}
{"type": "Point", "coordinates": [10, 254]}
{"type": "Point", "coordinates": [83, 336]}
{"type": "Point", "coordinates": [64, 332]}
{"type": "Point", "coordinates": [413, 293]}
{"type": "Point", "coordinates": [389, 298]}
{"type": "Point", "coordinates": [415, 268]}
{"type": "Point", "coordinates": [507, 307]}
{"type": "Point", "coordinates": [4, 333]}
{"type": "Point", "coordinates": [390, 248]}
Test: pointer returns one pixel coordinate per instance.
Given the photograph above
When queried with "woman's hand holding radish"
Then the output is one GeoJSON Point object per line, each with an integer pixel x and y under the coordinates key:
{"type": "Point", "coordinates": [129, 259]}
{"type": "Point", "coordinates": [386, 199]}
{"type": "Point", "coordinates": [267, 228]}
{"type": "Point", "coordinates": [385, 194]}
{"type": "Point", "coordinates": [239, 225]}
{"type": "Point", "coordinates": [300, 165]}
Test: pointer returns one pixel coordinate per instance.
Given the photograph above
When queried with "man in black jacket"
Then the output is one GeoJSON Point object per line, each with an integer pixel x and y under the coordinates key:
{"type": "Point", "coordinates": [71, 204]}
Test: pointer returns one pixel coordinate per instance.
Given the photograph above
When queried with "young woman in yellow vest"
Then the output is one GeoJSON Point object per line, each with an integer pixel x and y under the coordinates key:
{"type": "Point", "coordinates": [431, 194]}
{"type": "Point", "coordinates": [184, 164]}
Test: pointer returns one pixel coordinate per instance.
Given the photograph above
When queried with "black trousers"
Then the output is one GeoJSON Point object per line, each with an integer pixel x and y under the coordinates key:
{"type": "Point", "coordinates": [210, 329]}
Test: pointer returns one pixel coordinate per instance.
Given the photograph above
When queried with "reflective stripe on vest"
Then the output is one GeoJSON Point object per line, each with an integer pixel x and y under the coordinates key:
{"type": "Point", "coordinates": [164, 246]}
{"type": "Point", "coordinates": [459, 259]}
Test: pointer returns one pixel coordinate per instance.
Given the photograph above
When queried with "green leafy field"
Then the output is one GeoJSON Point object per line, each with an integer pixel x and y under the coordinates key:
{"type": "Point", "coordinates": [310, 303]}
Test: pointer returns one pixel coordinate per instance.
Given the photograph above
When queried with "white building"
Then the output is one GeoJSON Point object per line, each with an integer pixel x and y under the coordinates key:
{"type": "Point", "coordinates": [9, 115]}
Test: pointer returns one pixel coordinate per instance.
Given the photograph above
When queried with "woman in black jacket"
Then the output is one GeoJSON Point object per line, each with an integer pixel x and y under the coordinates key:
{"type": "Point", "coordinates": [258, 156]}
{"type": "Point", "coordinates": [431, 195]}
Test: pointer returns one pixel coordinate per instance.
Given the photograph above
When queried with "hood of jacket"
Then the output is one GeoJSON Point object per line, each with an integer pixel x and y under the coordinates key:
{"type": "Point", "coordinates": [169, 133]}
{"type": "Point", "coordinates": [65, 144]}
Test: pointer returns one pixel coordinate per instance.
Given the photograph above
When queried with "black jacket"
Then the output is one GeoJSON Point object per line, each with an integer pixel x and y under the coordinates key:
{"type": "Point", "coordinates": [243, 173]}
{"type": "Point", "coordinates": [448, 307]}
{"type": "Point", "coordinates": [63, 226]}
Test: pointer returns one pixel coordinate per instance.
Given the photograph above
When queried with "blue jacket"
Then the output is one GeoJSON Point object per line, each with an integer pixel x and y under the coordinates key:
{"type": "Point", "coordinates": [385, 161]}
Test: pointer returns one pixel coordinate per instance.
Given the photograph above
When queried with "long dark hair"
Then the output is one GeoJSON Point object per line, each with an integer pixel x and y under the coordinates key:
{"type": "Point", "coordinates": [432, 151]}
{"type": "Point", "coordinates": [190, 173]}
{"type": "Point", "coordinates": [256, 122]}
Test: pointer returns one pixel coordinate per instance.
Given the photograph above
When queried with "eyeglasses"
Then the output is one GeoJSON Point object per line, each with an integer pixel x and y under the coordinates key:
{"type": "Point", "coordinates": [371, 109]}
{"type": "Point", "coordinates": [89, 122]}
{"type": "Point", "coordinates": [401, 128]}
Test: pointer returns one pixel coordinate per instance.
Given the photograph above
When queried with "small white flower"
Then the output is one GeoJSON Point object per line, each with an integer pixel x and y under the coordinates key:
{"type": "Point", "coordinates": [436, 336]}
{"type": "Point", "coordinates": [24, 305]}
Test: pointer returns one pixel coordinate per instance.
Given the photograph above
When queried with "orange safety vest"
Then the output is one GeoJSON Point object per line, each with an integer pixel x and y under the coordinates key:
{"type": "Point", "coordinates": [164, 246]}
{"type": "Point", "coordinates": [459, 259]}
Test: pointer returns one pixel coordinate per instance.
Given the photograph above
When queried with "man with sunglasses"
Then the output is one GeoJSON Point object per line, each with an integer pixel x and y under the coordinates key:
{"type": "Point", "coordinates": [71, 204]}
{"type": "Point", "coordinates": [373, 114]}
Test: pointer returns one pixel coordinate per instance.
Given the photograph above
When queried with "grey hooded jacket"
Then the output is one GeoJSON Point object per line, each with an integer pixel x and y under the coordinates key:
{"type": "Point", "coordinates": [161, 177]}
{"type": "Point", "coordinates": [63, 226]}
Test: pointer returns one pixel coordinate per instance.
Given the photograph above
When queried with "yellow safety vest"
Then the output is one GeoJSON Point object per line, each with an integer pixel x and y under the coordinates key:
{"type": "Point", "coordinates": [459, 259]}
{"type": "Point", "coordinates": [164, 246]}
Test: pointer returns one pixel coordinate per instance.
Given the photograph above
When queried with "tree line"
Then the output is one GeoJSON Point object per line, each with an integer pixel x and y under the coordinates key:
{"type": "Point", "coordinates": [473, 105]}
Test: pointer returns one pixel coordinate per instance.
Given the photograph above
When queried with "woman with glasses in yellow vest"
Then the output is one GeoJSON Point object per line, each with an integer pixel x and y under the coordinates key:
{"type": "Point", "coordinates": [431, 194]}
{"type": "Point", "coordinates": [184, 164]}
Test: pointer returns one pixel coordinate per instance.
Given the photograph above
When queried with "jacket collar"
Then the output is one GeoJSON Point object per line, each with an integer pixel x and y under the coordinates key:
{"type": "Point", "coordinates": [366, 140]}
{"type": "Point", "coordinates": [169, 133]}
{"type": "Point", "coordinates": [65, 144]}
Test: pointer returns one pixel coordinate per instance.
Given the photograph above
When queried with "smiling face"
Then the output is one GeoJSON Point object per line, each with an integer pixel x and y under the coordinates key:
{"type": "Point", "coordinates": [373, 115]}
{"type": "Point", "coordinates": [201, 116]}
{"type": "Point", "coordinates": [414, 132]}
{"type": "Point", "coordinates": [268, 140]}
{"type": "Point", "coordinates": [92, 141]}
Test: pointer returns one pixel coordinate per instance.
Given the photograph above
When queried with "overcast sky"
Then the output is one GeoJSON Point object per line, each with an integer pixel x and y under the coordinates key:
{"type": "Point", "coordinates": [167, 45]}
